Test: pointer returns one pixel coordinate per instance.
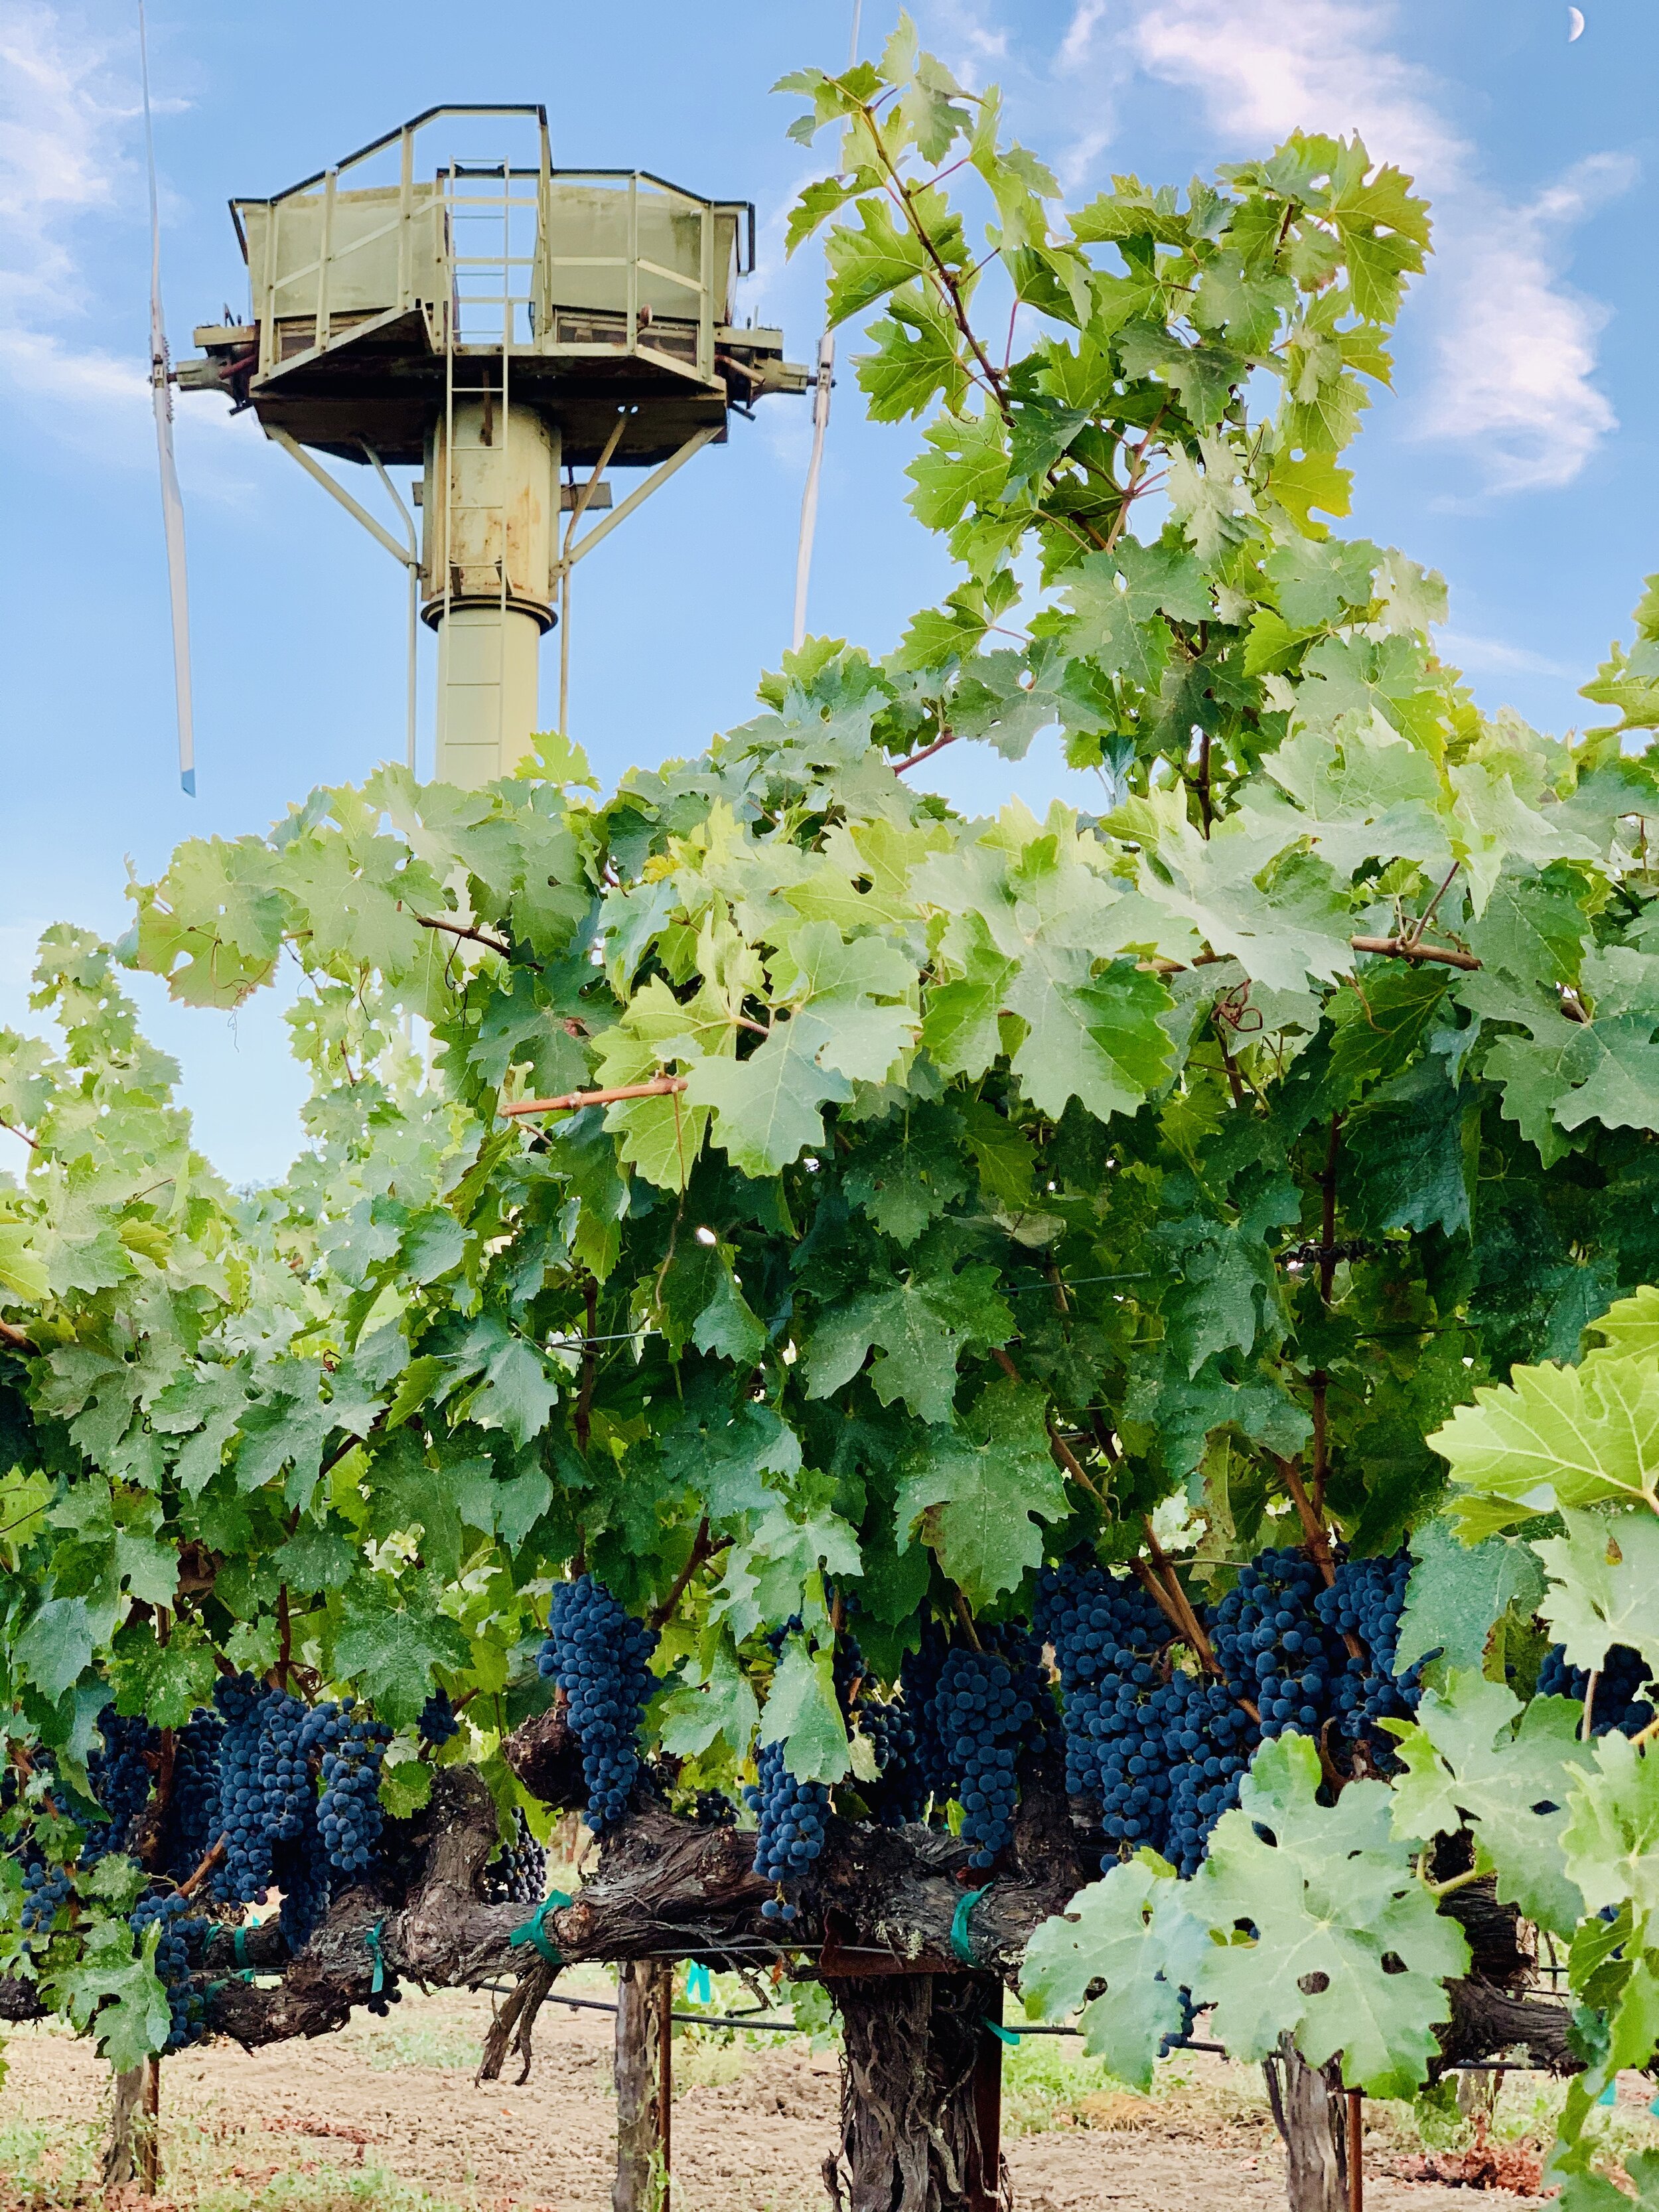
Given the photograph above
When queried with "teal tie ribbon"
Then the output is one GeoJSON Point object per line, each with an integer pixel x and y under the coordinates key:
{"type": "Point", "coordinates": [213, 1988]}
{"type": "Point", "coordinates": [959, 1942]}
{"type": "Point", "coordinates": [1009, 2035]}
{"type": "Point", "coordinates": [373, 1939]}
{"type": "Point", "coordinates": [531, 1931]}
{"type": "Point", "coordinates": [699, 1988]}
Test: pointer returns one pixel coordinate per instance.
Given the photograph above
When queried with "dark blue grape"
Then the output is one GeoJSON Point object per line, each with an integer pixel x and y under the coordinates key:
{"type": "Point", "coordinates": [793, 1817]}
{"type": "Point", "coordinates": [349, 1815]}
{"type": "Point", "coordinates": [1365, 1601]}
{"type": "Point", "coordinates": [1618, 1706]}
{"type": "Point", "coordinates": [438, 1723]}
{"type": "Point", "coordinates": [599, 1657]}
{"type": "Point", "coordinates": [120, 1771]}
{"type": "Point", "coordinates": [284, 1777]}
{"type": "Point", "coordinates": [46, 1891]}
{"type": "Point", "coordinates": [1110, 1641]}
{"type": "Point", "coordinates": [1277, 1646]}
{"type": "Point", "coordinates": [984, 1723]}
{"type": "Point", "coordinates": [900, 1792]}
{"type": "Point", "coordinates": [1208, 1740]}
{"type": "Point", "coordinates": [191, 1827]}
{"type": "Point", "coordinates": [178, 1951]}
{"type": "Point", "coordinates": [919, 1673]}
{"type": "Point", "coordinates": [244, 1876]}
{"type": "Point", "coordinates": [300, 1869]}
{"type": "Point", "coordinates": [518, 1876]}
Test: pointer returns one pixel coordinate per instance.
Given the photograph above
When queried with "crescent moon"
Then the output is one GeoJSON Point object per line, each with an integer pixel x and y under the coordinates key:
{"type": "Point", "coordinates": [1575, 24]}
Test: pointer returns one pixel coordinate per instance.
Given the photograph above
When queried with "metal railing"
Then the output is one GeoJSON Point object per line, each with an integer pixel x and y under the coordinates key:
{"type": "Point", "coordinates": [584, 262]}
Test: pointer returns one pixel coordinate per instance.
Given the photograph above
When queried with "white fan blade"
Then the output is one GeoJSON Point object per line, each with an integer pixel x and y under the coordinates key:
{"type": "Point", "coordinates": [173, 507]}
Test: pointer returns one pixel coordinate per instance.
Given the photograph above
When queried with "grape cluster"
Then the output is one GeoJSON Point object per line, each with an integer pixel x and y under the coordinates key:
{"type": "Point", "coordinates": [46, 1890]}
{"type": "Point", "coordinates": [284, 1776]}
{"type": "Point", "coordinates": [1108, 1640]}
{"type": "Point", "coordinates": [712, 1808]}
{"type": "Point", "coordinates": [300, 1867]}
{"type": "Point", "coordinates": [919, 1673]}
{"type": "Point", "coordinates": [792, 1824]}
{"type": "Point", "coordinates": [518, 1876]}
{"type": "Point", "coordinates": [1273, 1645]}
{"type": "Point", "coordinates": [1208, 1741]}
{"type": "Point", "coordinates": [177, 1951]}
{"type": "Point", "coordinates": [984, 1722]}
{"type": "Point", "coordinates": [1024, 1652]}
{"type": "Point", "coordinates": [438, 1723]}
{"type": "Point", "coordinates": [245, 1875]}
{"type": "Point", "coordinates": [1366, 1600]}
{"type": "Point", "coordinates": [192, 1815]}
{"type": "Point", "coordinates": [598, 1654]}
{"type": "Point", "coordinates": [900, 1792]}
{"type": "Point", "coordinates": [849, 1668]}
{"type": "Point", "coordinates": [120, 1775]}
{"type": "Point", "coordinates": [1619, 1705]}
{"type": "Point", "coordinates": [349, 1815]}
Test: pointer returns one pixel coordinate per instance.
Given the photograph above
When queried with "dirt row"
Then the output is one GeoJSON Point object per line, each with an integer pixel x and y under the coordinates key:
{"type": "Point", "coordinates": [752, 2127]}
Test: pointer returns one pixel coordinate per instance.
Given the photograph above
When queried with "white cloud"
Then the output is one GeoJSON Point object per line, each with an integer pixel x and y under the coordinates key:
{"type": "Point", "coordinates": [1517, 359]}
{"type": "Point", "coordinates": [1513, 345]}
{"type": "Point", "coordinates": [69, 125]}
{"type": "Point", "coordinates": [55, 119]}
{"type": "Point", "coordinates": [1516, 345]}
{"type": "Point", "coordinates": [1496, 656]}
{"type": "Point", "coordinates": [38, 363]}
{"type": "Point", "coordinates": [1075, 46]}
{"type": "Point", "coordinates": [1323, 65]}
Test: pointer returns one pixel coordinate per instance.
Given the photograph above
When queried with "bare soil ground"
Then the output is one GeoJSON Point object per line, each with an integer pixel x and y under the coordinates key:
{"type": "Point", "coordinates": [387, 2114]}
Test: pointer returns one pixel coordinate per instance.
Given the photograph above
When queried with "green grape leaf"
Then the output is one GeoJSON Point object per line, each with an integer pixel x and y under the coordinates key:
{"type": "Point", "coordinates": [919, 1329]}
{"type": "Point", "coordinates": [1109, 1933]}
{"type": "Point", "coordinates": [1630, 1327]}
{"type": "Point", "coordinates": [710, 1698]}
{"type": "Point", "coordinates": [315, 1559]}
{"type": "Point", "coordinates": [1552, 1438]}
{"type": "Point", "coordinates": [1101, 1041]}
{"type": "Point", "coordinates": [1604, 1586]}
{"type": "Point", "coordinates": [966, 465]}
{"type": "Point", "coordinates": [803, 1714]}
{"type": "Point", "coordinates": [56, 1647]}
{"type": "Point", "coordinates": [1331, 1896]}
{"type": "Point", "coordinates": [1610, 1844]}
{"type": "Point", "coordinates": [1465, 1755]}
{"type": "Point", "coordinates": [1316, 579]}
{"type": "Point", "coordinates": [870, 262]}
{"type": "Point", "coordinates": [113, 1990]}
{"type": "Point", "coordinates": [518, 1392]}
{"type": "Point", "coordinates": [979, 1489]}
{"type": "Point", "coordinates": [768, 1110]}
{"type": "Point", "coordinates": [1457, 1592]}
{"type": "Point", "coordinates": [393, 1650]}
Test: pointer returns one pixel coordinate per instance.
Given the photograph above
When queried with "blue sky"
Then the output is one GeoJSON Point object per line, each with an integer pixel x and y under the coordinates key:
{"type": "Point", "coordinates": [1516, 452]}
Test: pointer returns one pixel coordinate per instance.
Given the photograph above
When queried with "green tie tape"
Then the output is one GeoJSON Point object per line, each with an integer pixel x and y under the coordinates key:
{"type": "Point", "coordinates": [1010, 2035]}
{"type": "Point", "coordinates": [533, 1932]}
{"type": "Point", "coordinates": [959, 1942]}
{"type": "Point", "coordinates": [241, 1946]}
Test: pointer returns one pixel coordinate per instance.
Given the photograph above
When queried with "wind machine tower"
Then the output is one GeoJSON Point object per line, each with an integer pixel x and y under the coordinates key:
{"type": "Point", "coordinates": [503, 327]}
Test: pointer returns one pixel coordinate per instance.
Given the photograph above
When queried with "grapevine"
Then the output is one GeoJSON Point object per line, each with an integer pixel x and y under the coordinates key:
{"type": "Point", "coordinates": [1202, 1245]}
